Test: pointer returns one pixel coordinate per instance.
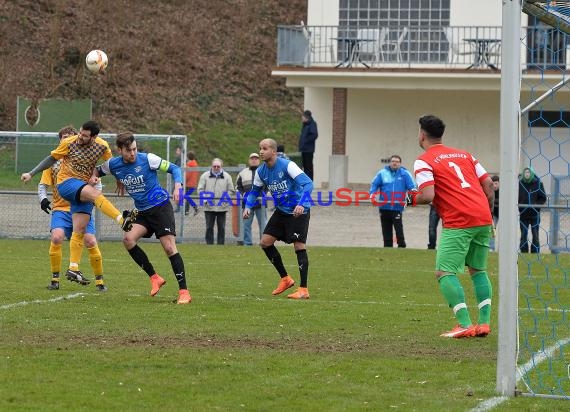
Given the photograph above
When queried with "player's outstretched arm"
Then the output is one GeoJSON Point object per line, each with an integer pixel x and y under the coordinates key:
{"type": "Point", "coordinates": [43, 165]}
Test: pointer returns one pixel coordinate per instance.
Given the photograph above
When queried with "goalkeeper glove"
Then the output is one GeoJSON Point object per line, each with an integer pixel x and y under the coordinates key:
{"type": "Point", "coordinates": [45, 205]}
{"type": "Point", "coordinates": [411, 197]}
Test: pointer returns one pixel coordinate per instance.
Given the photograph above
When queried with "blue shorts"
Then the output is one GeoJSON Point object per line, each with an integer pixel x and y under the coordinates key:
{"type": "Point", "coordinates": [69, 189]}
{"type": "Point", "coordinates": [62, 220]}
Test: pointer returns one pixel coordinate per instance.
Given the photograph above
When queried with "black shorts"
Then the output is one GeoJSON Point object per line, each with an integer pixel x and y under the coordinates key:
{"type": "Point", "coordinates": [288, 228]}
{"type": "Point", "coordinates": [158, 220]}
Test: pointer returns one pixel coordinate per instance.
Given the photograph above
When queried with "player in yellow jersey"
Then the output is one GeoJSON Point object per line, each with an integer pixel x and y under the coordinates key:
{"type": "Point", "coordinates": [79, 155]}
{"type": "Point", "coordinates": [61, 224]}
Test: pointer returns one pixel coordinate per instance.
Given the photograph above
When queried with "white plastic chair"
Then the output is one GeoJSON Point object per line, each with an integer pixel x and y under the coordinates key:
{"type": "Point", "coordinates": [457, 47]}
{"type": "Point", "coordinates": [395, 46]}
{"type": "Point", "coordinates": [374, 44]}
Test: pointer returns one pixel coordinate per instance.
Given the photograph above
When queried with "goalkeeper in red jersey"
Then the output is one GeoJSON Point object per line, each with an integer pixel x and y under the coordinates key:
{"type": "Point", "coordinates": [462, 192]}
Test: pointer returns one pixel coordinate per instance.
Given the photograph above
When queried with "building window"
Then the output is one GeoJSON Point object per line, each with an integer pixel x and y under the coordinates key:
{"type": "Point", "coordinates": [546, 46]}
{"type": "Point", "coordinates": [425, 41]}
{"type": "Point", "coordinates": [549, 119]}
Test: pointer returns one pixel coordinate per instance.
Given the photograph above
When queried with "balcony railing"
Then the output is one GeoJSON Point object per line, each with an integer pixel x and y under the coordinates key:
{"type": "Point", "coordinates": [452, 47]}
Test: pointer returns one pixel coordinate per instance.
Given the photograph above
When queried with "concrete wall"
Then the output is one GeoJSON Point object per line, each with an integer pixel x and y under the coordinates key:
{"type": "Point", "coordinates": [383, 122]}
{"type": "Point", "coordinates": [462, 13]}
{"type": "Point", "coordinates": [475, 13]}
{"type": "Point", "coordinates": [322, 13]}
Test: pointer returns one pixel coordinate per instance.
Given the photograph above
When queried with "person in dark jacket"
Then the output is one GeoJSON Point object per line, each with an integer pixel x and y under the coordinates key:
{"type": "Point", "coordinates": [309, 133]}
{"type": "Point", "coordinates": [432, 227]}
{"type": "Point", "coordinates": [495, 212]}
{"type": "Point", "coordinates": [531, 193]}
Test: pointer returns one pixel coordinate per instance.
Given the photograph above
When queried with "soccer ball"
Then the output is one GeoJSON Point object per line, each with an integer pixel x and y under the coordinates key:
{"type": "Point", "coordinates": [96, 61]}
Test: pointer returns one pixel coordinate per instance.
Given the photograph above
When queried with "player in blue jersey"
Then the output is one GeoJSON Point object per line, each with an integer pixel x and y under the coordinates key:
{"type": "Point", "coordinates": [291, 189]}
{"type": "Point", "coordinates": [138, 174]}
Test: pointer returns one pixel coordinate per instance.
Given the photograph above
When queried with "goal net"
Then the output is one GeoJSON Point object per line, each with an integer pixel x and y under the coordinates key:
{"type": "Point", "coordinates": [542, 298]}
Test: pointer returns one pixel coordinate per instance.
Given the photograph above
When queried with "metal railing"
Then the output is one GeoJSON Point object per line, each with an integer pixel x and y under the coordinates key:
{"type": "Point", "coordinates": [450, 47]}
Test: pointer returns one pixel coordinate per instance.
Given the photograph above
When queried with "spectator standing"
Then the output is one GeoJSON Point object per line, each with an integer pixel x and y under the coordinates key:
{"type": "Point", "coordinates": [309, 134]}
{"type": "Point", "coordinates": [389, 188]}
{"type": "Point", "coordinates": [290, 221]}
{"type": "Point", "coordinates": [244, 184]}
{"type": "Point", "coordinates": [432, 228]}
{"type": "Point", "coordinates": [218, 185]}
{"type": "Point", "coordinates": [192, 177]}
{"type": "Point", "coordinates": [462, 193]}
{"type": "Point", "coordinates": [531, 193]}
{"type": "Point", "coordinates": [495, 180]}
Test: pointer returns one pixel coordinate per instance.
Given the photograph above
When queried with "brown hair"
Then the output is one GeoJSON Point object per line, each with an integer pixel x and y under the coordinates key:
{"type": "Point", "coordinates": [395, 156]}
{"type": "Point", "coordinates": [67, 131]}
{"type": "Point", "coordinates": [124, 140]}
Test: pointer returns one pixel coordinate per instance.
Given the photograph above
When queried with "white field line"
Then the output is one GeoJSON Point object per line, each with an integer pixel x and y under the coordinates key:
{"type": "Point", "coordinates": [491, 403]}
{"type": "Point", "coordinates": [37, 301]}
{"type": "Point", "coordinates": [484, 406]}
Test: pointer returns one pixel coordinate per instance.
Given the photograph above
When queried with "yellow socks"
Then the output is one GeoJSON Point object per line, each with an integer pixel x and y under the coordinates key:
{"type": "Point", "coordinates": [96, 260]}
{"type": "Point", "coordinates": [108, 209]}
{"type": "Point", "coordinates": [55, 256]}
{"type": "Point", "coordinates": [75, 249]}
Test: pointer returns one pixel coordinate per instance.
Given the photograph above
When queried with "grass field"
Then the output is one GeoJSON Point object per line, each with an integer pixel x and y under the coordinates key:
{"type": "Point", "coordinates": [368, 339]}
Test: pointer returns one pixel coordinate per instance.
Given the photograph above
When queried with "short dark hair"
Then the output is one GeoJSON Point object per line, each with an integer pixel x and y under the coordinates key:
{"type": "Point", "coordinates": [396, 156]}
{"type": "Point", "coordinates": [432, 125]}
{"type": "Point", "coordinates": [191, 155]}
{"type": "Point", "coordinates": [124, 139]}
{"type": "Point", "coordinates": [92, 126]}
{"type": "Point", "coordinates": [495, 178]}
{"type": "Point", "coordinates": [281, 148]}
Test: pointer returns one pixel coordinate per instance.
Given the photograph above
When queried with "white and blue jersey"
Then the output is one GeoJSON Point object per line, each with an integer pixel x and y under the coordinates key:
{"type": "Point", "coordinates": [287, 183]}
{"type": "Point", "coordinates": [141, 179]}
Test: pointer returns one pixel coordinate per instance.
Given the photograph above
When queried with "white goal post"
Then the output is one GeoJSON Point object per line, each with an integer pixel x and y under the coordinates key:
{"type": "Point", "coordinates": [508, 223]}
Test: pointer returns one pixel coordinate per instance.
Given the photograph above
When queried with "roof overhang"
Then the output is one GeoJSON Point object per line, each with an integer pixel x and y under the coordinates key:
{"type": "Point", "coordinates": [410, 79]}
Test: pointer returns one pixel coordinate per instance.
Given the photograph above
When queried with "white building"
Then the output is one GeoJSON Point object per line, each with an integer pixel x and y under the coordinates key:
{"type": "Point", "coordinates": [440, 57]}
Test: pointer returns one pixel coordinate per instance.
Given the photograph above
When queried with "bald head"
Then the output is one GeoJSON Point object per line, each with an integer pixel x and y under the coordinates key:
{"type": "Point", "coordinates": [268, 151]}
{"type": "Point", "coordinates": [272, 144]}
